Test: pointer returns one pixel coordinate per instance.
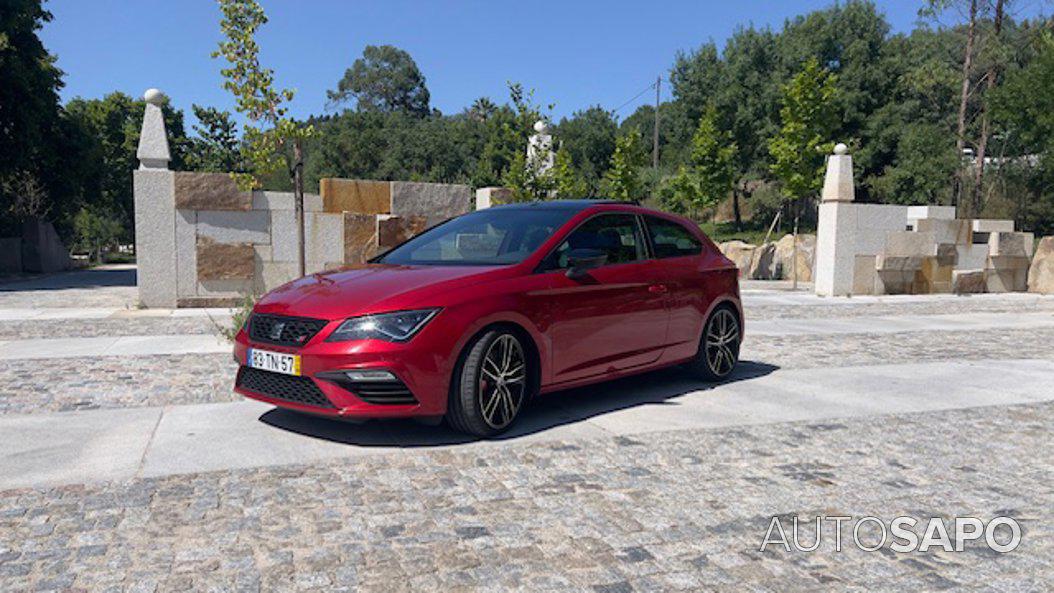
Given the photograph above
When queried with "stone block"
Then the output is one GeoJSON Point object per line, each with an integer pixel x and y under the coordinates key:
{"type": "Point", "coordinates": [1007, 262]}
{"type": "Point", "coordinates": [272, 200]}
{"type": "Point", "coordinates": [355, 195]}
{"type": "Point", "coordinates": [836, 247]}
{"type": "Point", "coordinates": [968, 281]}
{"type": "Point", "coordinates": [270, 275]}
{"type": "Point", "coordinates": [910, 243]}
{"type": "Point", "coordinates": [1041, 271]}
{"type": "Point", "coordinates": [42, 249]}
{"type": "Point", "coordinates": [865, 275]}
{"type": "Point", "coordinates": [324, 236]}
{"type": "Point", "coordinates": [313, 203]}
{"type": "Point", "coordinates": [360, 237]}
{"type": "Point", "coordinates": [186, 253]}
{"type": "Point", "coordinates": [219, 288]}
{"type": "Point", "coordinates": [224, 261]}
{"type": "Point", "coordinates": [1006, 279]}
{"type": "Point", "coordinates": [895, 281]}
{"type": "Point", "coordinates": [933, 277]}
{"type": "Point", "coordinates": [11, 255]}
{"type": "Point", "coordinates": [209, 191]}
{"type": "Point", "coordinates": [253, 226]}
{"type": "Point", "coordinates": [920, 213]}
{"type": "Point", "coordinates": [1011, 244]}
{"type": "Point", "coordinates": [283, 235]}
{"type": "Point", "coordinates": [155, 240]}
{"type": "Point", "coordinates": [435, 202]}
{"type": "Point", "coordinates": [947, 231]}
{"type": "Point", "coordinates": [982, 225]}
{"type": "Point", "coordinates": [393, 230]}
{"type": "Point", "coordinates": [898, 263]}
{"type": "Point", "coordinates": [971, 257]}
{"type": "Point", "coordinates": [492, 196]}
{"type": "Point", "coordinates": [947, 254]}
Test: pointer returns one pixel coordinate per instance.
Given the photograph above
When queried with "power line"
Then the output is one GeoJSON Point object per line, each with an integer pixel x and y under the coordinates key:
{"type": "Point", "coordinates": [635, 97]}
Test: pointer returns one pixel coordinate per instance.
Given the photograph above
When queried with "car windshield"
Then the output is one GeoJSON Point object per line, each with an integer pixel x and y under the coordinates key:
{"type": "Point", "coordinates": [492, 237]}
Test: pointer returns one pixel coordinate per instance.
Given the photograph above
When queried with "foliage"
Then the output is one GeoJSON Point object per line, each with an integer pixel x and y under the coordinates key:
{"type": "Point", "coordinates": [267, 139]}
{"type": "Point", "coordinates": [808, 119]}
{"type": "Point", "coordinates": [94, 230]}
{"type": "Point", "coordinates": [216, 147]}
{"type": "Point", "coordinates": [384, 79]}
{"type": "Point", "coordinates": [567, 183]}
{"type": "Point", "coordinates": [622, 180]}
{"type": "Point", "coordinates": [239, 315]}
{"type": "Point", "coordinates": [29, 198]}
{"type": "Point", "coordinates": [588, 136]}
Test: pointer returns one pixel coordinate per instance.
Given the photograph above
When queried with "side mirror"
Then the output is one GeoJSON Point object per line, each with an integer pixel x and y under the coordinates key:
{"type": "Point", "coordinates": [580, 261]}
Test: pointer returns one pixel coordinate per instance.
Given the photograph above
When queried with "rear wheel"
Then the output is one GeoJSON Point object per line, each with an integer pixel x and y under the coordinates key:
{"type": "Point", "coordinates": [490, 385]}
{"type": "Point", "coordinates": [719, 346]}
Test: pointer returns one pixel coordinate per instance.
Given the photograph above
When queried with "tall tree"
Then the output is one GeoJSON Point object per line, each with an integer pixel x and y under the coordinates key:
{"type": "Point", "coordinates": [384, 79]}
{"type": "Point", "coordinates": [588, 136]}
{"type": "Point", "coordinates": [622, 180]}
{"type": "Point", "coordinates": [994, 41]}
{"type": "Point", "coordinates": [266, 147]}
{"type": "Point", "coordinates": [808, 118]}
{"type": "Point", "coordinates": [216, 147]}
{"type": "Point", "coordinates": [567, 182]}
{"type": "Point", "coordinates": [712, 161]}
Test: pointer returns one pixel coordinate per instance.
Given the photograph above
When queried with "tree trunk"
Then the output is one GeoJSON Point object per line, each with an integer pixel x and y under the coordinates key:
{"type": "Point", "coordinates": [737, 216]}
{"type": "Point", "coordinates": [964, 96]}
{"type": "Point", "coordinates": [982, 142]}
{"type": "Point", "coordinates": [298, 192]}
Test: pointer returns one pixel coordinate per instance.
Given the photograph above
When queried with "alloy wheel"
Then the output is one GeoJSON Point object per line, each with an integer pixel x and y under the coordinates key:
{"type": "Point", "coordinates": [722, 342]}
{"type": "Point", "coordinates": [502, 381]}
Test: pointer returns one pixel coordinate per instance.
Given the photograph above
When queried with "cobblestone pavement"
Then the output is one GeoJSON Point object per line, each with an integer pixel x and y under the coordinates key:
{"type": "Point", "coordinates": [679, 510]}
{"type": "Point", "coordinates": [683, 510]}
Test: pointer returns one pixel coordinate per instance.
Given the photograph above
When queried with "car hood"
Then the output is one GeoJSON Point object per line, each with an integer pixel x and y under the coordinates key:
{"type": "Point", "coordinates": [369, 288]}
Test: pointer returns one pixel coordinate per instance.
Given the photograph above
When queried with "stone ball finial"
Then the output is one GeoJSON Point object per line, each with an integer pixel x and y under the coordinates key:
{"type": "Point", "coordinates": [154, 96]}
{"type": "Point", "coordinates": [841, 148]}
{"type": "Point", "coordinates": [541, 127]}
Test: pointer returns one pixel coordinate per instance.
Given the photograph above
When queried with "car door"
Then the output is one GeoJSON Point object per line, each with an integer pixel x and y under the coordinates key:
{"type": "Point", "coordinates": [678, 259]}
{"type": "Point", "coordinates": [614, 317]}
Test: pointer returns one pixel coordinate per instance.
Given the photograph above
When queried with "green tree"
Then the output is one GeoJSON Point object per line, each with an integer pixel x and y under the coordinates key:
{"type": "Point", "coordinates": [271, 135]}
{"type": "Point", "coordinates": [384, 79]}
{"type": "Point", "coordinates": [713, 160]}
{"type": "Point", "coordinates": [217, 147]}
{"type": "Point", "coordinates": [588, 136]}
{"type": "Point", "coordinates": [804, 139]}
{"type": "Point", "coordinates": [95, 230]}
{"type": "Point", "coordinates": [622, 180]}
{"type": "Point", "coordinates": [566, 180]}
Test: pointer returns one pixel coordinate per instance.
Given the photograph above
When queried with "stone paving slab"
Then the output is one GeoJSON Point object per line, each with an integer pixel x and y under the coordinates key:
{"type": "Point", "coordinates": [681, 510]}
{"type": "Point", "coordinates": [974, 322]}
{"type": "Point", "coordinates": [210, 437]}
{"type": "Point", "coordinates": [43, 348]}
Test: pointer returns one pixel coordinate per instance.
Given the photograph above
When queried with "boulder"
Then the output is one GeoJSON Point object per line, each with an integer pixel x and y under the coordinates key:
{"type": "Point", "coordinates": [740, 253]}
{"type": "Point", "coordinates": [763, 263]}
{"type": "Point", "coordinates": [806, 256]}
{"type": "Point", "coordinates": [1041, 272]}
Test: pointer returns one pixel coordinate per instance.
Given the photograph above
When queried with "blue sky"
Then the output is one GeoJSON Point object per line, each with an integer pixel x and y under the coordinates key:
{"type": "Point", "coordinates": [574, 54]}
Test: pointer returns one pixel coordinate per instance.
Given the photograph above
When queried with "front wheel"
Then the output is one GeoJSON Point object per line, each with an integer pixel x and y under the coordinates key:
{"type": "Point", "coordinates": [490, 385]}
{"type": "Point", "coordinates": [719, 346]}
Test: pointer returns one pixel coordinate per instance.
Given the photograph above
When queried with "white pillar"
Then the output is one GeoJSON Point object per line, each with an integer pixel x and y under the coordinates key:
{"type": "Point", "coordinates": [155, 210]}
{"type": "Point", "coordinates": [836, 228]}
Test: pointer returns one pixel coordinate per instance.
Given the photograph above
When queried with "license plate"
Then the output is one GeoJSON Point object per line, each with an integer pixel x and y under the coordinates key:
{"type": "Point", "coordinates": [276, 362]}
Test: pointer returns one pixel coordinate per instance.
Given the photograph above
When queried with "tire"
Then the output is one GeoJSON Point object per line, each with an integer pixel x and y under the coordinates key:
{"type": "Point", "coordinates": [718, 346]}
{"type": "Point", "coordinates": [490, 385]}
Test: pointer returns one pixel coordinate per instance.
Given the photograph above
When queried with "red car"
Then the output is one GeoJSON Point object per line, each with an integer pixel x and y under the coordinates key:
{"type": "Point", "coordinates": [473, 317]}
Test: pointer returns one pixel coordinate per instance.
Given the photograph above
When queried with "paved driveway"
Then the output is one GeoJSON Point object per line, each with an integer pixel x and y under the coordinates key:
{"type": "Point", "coordinates": [127, 464]}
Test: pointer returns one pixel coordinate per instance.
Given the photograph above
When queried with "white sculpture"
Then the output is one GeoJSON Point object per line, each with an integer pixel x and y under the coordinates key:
{"type": "Point", "coordinates": [540, 149]}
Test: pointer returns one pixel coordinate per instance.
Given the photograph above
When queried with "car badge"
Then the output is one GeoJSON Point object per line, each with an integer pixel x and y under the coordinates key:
{"type": "Point", "coordinates": [276, 330]}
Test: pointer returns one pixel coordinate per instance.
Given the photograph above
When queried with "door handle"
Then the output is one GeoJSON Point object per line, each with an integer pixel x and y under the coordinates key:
{"type": "Point", "coordinates": [657, 288]}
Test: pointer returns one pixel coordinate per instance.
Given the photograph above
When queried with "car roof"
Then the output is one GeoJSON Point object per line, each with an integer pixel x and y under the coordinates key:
{"type": "Point", "coordinates": [575, 205]}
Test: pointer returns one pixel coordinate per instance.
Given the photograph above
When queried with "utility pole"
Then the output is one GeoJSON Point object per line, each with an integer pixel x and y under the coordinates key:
{"type": "Point", "coordinates": [655, 134]}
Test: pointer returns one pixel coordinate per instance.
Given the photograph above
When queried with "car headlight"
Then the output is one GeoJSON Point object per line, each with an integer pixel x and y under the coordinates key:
{"type": "Point", "coordinates": [390, 327]}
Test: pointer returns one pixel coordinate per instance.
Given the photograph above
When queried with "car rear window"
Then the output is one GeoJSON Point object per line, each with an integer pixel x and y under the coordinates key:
{"type": "Point", "coordinates": [671, 239]}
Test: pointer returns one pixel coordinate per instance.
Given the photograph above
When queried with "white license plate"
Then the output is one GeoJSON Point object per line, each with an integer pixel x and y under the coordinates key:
{"type": "Point", "coordinates": [276, 362]}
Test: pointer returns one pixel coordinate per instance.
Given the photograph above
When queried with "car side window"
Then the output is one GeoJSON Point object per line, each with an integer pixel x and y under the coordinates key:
{"type": "Point", "coordinates": [617, 235]}
{"type": "Point", "coordinates": [671, 239]}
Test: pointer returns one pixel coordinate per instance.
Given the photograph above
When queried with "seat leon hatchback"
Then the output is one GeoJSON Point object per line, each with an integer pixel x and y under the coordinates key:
{"type": "Point", "coordinates": [473, 317]}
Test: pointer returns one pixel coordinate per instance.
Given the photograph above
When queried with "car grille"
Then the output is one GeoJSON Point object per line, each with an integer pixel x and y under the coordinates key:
{"type": "Point", "coordinates": [383, 393]}
{"type": "Point", "coordinates": [300, 390]}
{"type": "Point", "coordinates": [284, 331]}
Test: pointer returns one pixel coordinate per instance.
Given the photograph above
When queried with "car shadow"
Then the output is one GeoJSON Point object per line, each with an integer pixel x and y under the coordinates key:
{"type": "Point", "coordinates": [543, 413]}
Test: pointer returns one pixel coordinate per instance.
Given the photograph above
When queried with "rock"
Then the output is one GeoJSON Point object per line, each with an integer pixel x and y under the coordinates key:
{"type": "Point", "coordinates": [393, 230]}
{"type": "Point", "coordinates": [968, 281]}
{"type": "Point", "coordinates": [1041, 272]}
{"type": "Point", "coordinates": [355, 195]}
{"type": "Point", "coordinates": [763, 263]}
{"type": "Point", "coordinates": [740, 253]}
{"type": "Point", "coordinates": [806, 257]}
